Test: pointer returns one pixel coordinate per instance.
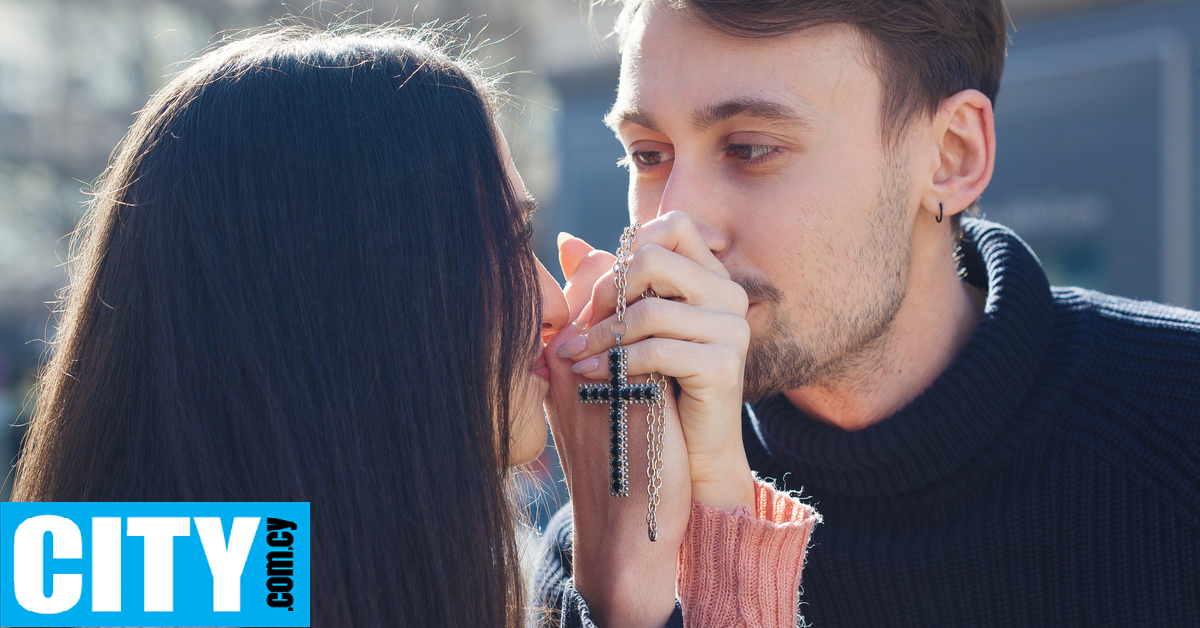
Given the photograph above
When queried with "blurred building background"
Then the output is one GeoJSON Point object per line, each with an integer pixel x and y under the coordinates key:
{"type": "Point", "coordinates": [1098, 121]}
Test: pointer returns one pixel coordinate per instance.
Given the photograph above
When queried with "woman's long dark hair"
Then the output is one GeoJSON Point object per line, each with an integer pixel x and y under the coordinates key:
{"type": "Point", "coordinates": [305, 277]}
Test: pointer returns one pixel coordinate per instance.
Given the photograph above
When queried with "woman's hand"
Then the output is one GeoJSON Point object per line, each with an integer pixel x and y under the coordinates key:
{"type": "Point", "coordinates": [625, 579]}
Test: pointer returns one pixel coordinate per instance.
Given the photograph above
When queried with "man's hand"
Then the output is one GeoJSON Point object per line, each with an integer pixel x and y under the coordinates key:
{"type": "Point", "coordinates": [695, 332]}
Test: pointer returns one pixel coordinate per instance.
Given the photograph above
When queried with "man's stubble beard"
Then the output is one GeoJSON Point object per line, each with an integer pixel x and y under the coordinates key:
{"type": "Point", "coordinates": [782, 357]}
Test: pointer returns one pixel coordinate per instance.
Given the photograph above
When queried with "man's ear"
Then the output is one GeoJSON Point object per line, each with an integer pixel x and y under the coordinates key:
{"type": "Point", "coordinates": [964, 135]}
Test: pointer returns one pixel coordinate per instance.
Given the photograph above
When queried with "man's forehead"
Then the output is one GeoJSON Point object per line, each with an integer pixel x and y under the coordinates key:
{"type": "Point", "coordinates": [656, 20]}
{"type": "Point", "coordinates": [671, 58]}
{"type": "Point", "coordinates": [667, 49]}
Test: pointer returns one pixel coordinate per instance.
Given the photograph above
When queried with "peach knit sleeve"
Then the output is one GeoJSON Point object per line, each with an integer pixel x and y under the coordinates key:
{"type": "Point", "coordinates": [739, 570]}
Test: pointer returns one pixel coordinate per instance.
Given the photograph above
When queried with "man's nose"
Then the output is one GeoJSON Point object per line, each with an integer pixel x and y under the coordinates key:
{"type": "Point", "coordinates": [695, 189]}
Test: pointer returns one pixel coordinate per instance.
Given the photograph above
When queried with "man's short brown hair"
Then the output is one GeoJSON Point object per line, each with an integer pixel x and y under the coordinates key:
{"type": "Point", "coordinates": [923, 50]}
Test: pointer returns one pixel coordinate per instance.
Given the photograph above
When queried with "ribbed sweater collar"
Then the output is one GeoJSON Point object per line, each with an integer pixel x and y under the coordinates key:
{"type": "Point", "coordinates": [953, 421]}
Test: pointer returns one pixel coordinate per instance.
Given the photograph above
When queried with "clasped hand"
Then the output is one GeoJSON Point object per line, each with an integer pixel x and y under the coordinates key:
{"type": "Point", "coordinates": [694, 332]}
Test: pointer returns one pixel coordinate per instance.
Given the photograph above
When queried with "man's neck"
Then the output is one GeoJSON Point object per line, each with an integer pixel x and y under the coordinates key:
{"type": "Point", "coordinates": [936, 319]}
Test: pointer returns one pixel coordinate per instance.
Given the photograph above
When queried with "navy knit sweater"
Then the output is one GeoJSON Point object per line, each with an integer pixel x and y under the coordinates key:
{"type": "Point", "coordinates": [1049, 477]}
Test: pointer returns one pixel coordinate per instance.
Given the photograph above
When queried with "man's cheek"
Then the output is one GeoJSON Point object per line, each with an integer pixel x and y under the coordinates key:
{"type": "Point", "coordinates": [645, 197]}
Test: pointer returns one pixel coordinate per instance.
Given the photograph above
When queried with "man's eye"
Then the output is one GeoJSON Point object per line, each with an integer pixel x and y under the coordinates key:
{"type": "Point", "coordinates": [749, 152]}
{"type": "Point", "coordinates": [651, 158]}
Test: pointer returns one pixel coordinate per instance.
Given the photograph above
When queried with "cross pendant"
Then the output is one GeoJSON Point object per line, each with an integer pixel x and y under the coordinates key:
{"type": "Point", "coordinates": [618, 394]}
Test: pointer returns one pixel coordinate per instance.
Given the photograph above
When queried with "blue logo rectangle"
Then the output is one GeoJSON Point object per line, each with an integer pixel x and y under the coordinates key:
{"type": "Point", "coordinates": [154, 564]}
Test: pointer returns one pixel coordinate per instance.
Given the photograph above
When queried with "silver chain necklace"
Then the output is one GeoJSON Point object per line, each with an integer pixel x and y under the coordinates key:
{"type": "Point", "coordinates": [618, 394]}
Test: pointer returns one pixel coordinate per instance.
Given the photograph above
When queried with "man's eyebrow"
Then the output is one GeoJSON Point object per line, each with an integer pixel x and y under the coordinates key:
{"type": "Point", "coordinates": [757, 108]}
{"type": "Point", "coordinates": [616, 118]}
{"type": "Point", "coordinates": [711, 115]}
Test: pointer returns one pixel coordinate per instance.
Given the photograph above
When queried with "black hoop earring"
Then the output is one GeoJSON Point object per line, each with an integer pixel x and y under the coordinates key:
{"type": "Point", "coordinates": [940, 212]}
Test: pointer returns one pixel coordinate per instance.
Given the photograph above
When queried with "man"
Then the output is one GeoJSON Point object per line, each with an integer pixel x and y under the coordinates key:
{"type": "Point", "coordinates": [985, 450]}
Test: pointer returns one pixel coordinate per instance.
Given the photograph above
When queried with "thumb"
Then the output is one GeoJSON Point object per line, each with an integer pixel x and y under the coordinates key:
{"type": "Point", "coordinates": [571, 252]}
{"type": "Point", "coordinates": [583, 271]}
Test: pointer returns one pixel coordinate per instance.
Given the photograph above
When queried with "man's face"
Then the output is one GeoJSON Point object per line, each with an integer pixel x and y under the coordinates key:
{"type": "Point", "coordinates": [773, 147]}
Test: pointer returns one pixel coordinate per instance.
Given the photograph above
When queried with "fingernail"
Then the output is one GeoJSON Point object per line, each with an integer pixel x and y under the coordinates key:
{"type": "Point", "coordinates": [586, 366]}
{"type": "Point", "coordinates": [563, 236]}
{"type": "Point", "coordinates": [572, 347]}
{"type": "Point", "coordinates": [585, 318]}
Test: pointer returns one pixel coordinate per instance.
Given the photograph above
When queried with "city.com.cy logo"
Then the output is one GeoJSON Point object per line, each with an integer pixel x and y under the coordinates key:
{"type": "Point", "coordinates": [154, 564]}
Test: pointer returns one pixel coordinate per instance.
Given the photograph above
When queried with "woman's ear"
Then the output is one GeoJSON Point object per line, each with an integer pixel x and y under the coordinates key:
{"type": "Point", "coordinates": [964, 135]}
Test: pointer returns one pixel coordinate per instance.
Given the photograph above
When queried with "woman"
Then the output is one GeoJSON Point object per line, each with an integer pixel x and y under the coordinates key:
{"type": "Point", "coordinates": [307, 276]}
{"type": "Point", "coordinates": [302, 282]}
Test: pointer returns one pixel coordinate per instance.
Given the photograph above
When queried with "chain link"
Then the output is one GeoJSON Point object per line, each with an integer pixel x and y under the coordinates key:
{"type": "Point", "coordinates": [655, 426]}
{"type": "Point", "coordinates": [621, 270]}
{"type": "Point", "coordinates": [656, 414]}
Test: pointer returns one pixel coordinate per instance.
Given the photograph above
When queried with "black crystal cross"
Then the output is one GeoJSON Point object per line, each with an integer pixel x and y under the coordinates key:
{"type": "Point", "coordinates": [618, 394]}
